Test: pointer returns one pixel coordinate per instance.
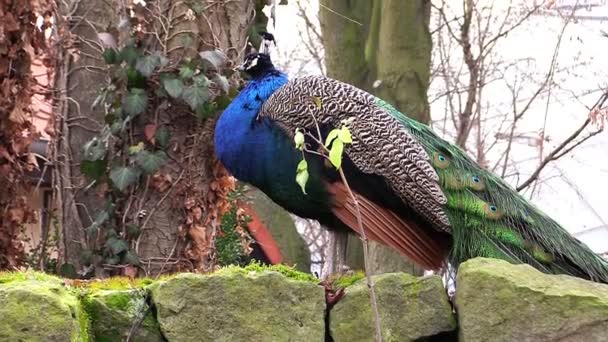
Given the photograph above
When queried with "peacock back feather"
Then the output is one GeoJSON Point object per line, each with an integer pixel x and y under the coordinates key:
{"type": "Point", "coordinates": [437, 180]}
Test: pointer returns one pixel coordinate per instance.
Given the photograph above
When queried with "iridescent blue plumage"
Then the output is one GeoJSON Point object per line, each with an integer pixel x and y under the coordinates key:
{"type": "Point", "coordinates": [240, 142]}
{"type": "Point", "coordinates": [260, 153]}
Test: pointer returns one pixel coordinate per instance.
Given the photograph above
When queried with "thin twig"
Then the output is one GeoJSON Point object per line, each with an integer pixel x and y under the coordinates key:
{"type": "Point", "coordinates": [365, 241]}
{"type": "Point", "coordinates": [340, 15]}
{"type": "Point", "coordinates": [370, 281]}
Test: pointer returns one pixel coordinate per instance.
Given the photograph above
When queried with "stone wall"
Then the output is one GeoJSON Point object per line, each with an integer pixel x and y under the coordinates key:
{"type": "Point", "coordinates": [495, 301]}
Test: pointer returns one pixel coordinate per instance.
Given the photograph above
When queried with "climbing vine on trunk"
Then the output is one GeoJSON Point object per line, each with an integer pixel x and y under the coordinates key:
{"type": "Point", "coordinates": [21, 42]}
{"type": "Point", "coordinates": [142, 192]}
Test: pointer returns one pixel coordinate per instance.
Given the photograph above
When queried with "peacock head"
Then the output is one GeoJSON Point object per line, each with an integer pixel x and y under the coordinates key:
{"type": "Point", "coordinates": [257, 65]}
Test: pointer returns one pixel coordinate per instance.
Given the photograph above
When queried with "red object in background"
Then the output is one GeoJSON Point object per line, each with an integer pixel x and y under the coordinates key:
{"type": "Point", "coordinates": [262, 235]}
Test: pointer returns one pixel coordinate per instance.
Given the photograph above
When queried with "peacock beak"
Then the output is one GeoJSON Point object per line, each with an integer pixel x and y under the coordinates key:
{"type": "Point", "coordinates": [240, 67]}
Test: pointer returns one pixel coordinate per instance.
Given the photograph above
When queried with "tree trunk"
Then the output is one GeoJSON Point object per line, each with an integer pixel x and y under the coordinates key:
{"type": "Point", "coordinates": [79, 75]}
{"type": "Point", "coordinates": [175, 222]}
{"type": "Point", "coordinates": [384, 47]}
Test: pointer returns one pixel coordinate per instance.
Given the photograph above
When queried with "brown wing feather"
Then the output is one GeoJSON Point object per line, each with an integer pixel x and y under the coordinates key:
{"type": "Point", "coordinates": [382, 225]}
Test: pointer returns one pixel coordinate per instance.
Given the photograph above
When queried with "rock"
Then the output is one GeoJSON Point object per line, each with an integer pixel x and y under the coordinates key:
{"type": "Point", "coordinates": [239, 306]}
{"type": "Point", "coordinates": [498, 301]}
{"type": "Point", "coordinates": [410, 308]}
{"type": "Point", "coordinates": [39, 309]}
{"type": "Point", "coordinates": [114, 312]}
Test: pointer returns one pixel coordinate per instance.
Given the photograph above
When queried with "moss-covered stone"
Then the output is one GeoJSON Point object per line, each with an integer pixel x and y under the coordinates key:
{"type": "Point", "coordinates": [114, 313]}
{"type": "Point", "coordinates": [39, 308]}
{"type": "Point", "coordinates": [498, 301]}
{"type": "Point", "coordinates": [232, 306]}
{"type": "Point", "coordinates": [9, 277]}
{"type": "Point", "coordinates": [340, 281]}
{"type": "Point", "coordinates": [288, 271]}
{"type": "Point", "coordinates": [118, 283]}
{"type": "Point", "coordinates": [410, 308]}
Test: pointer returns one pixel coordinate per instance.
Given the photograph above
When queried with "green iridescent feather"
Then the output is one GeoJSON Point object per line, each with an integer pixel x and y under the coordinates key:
{"type": "Point", "coordinates": [489, 218]}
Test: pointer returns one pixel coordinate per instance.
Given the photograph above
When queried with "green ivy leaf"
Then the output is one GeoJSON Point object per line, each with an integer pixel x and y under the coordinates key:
{"type": "Point", "coordinates": [333, 134]}
{"type": "Point", "coordinates": [101, 218]}
{"type": "Point", "coordinates": [68, 270]}
{"type": "Point", "coordinates": [298, 139]}
{"type": "Point", "coordinates": [162, 137]}
{"type": "Point", "coordinates": [335, 153]}
{"type": "Point", "coordinates": [91, 230]}
{"type": "Point", "coordinates": [123, 176]}
{"type": "Point", "coordinates": [129, 54]}
{"type": "Point", "coordinates": [112, 260]}
{"type": "Point", "coordinates": [136, 148]}
{"type": "Point", "coordinates": [222, 102]}
{"type": "Point", "coordinates": [94, 149]}
{"type": "Point", "coordinates": [151, 162]}
{"type": "Point", "coordinates": [215, 57]}
{"type": "Point", "coordinates": [185, 72]}
{"type": "Point", "coordinates": [110, 56]}
{"type": "Point", "coordinates": [117, 245]}
{"type": "Point", "coordinates": [146, 64]}
{"type": "Point", "coordinates": [195, 96]}
{"type": "Point", "coordinates": [135, 102]}
{"type": "Point", "coordinates": [186, 40]}
{"type": "Point", "coordinates": [133, 230]}
{"type": "Point", "coordinates": [302, 175]}
{"type": "Point", "coordinates": [222, 82]}
{"type": "Point", "coordinates": [130, 258]}
{"type": "Point", "coordinates": [86, 257]}
{"type": "Point", "coordinates": [116, 128]}
{"type": "Point", "coordinates": [206, 110]}
{"type": "Point", "coordinates": [345, 136]}
{"type": "Point", "coordinates": [93, 169]}
{"type": "Point", "coordinates": [174, 87]}
{"type": "Point", "coordinates": [134, 78]}
{"type": "Point", "coordinates": [201, 80]}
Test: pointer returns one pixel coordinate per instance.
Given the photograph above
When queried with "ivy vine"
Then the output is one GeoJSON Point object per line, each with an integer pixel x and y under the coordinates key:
{"type": "Point", "coordinates": [141, 81]}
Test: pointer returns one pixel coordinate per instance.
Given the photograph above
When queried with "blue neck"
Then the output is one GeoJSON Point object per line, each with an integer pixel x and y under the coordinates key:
{"type": "Point", "coordinates": [240, 142]}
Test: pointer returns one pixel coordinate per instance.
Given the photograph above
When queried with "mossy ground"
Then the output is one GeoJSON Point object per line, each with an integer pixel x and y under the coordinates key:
{"type": "Point", "coordinates": [345, 280]}
{"type": "Point", "coordinates": [9, 277]}
{"type": "Point", "coordinates": [287, 271]}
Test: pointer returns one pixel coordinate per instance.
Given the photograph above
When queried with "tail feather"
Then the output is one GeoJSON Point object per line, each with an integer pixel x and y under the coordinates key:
{"type": "Point", "coordinates": [489, 218]}
{"type": "Point", "coordinates": [484, 208]}
{"type": "Point", "coordinates": [382, 225]}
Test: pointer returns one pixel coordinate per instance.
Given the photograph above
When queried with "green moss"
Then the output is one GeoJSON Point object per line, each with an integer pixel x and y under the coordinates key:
{"type": "Point", "coordinates": [346, 280]}
{"type": "Point", "coordinates": [113, 312]}
{"type": "Point", "coordinates": [9, 277]}
{"type": "Point", "coordinates": [410, 308]}
{"type": "Point", "coordinates": [287, 271]}
{"type": "Point", "coordinates": [119, 300]}
{"type": "Point", "coordinates": [41, 309]}
{"type": "Point", "coordinates": [118, 283]}
{"type": "Point", "coordinates": [84, 322]}
{"type": "Point", "coordinates": [519, 303]}
{"type": "Point", "coordinates": [233, 305]}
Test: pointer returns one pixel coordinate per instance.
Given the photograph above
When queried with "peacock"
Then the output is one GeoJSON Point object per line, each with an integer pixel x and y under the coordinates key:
{"type": "Point", "coordinates": [417, 193]}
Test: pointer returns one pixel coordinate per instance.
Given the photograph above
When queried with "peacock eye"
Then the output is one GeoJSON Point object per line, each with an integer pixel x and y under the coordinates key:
{"type": "Point", "coordinates": [441, 157]}
{"type": "Point", "coordinates": [475, 179]}
{"type": "Point", "coordinates": [493, 208]}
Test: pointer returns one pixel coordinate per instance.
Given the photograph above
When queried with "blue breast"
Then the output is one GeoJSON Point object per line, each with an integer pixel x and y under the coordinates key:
{"type": "Point", "coordinates": [260, 153]}
{"type": "Point", "coordinates": [243, 144]}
